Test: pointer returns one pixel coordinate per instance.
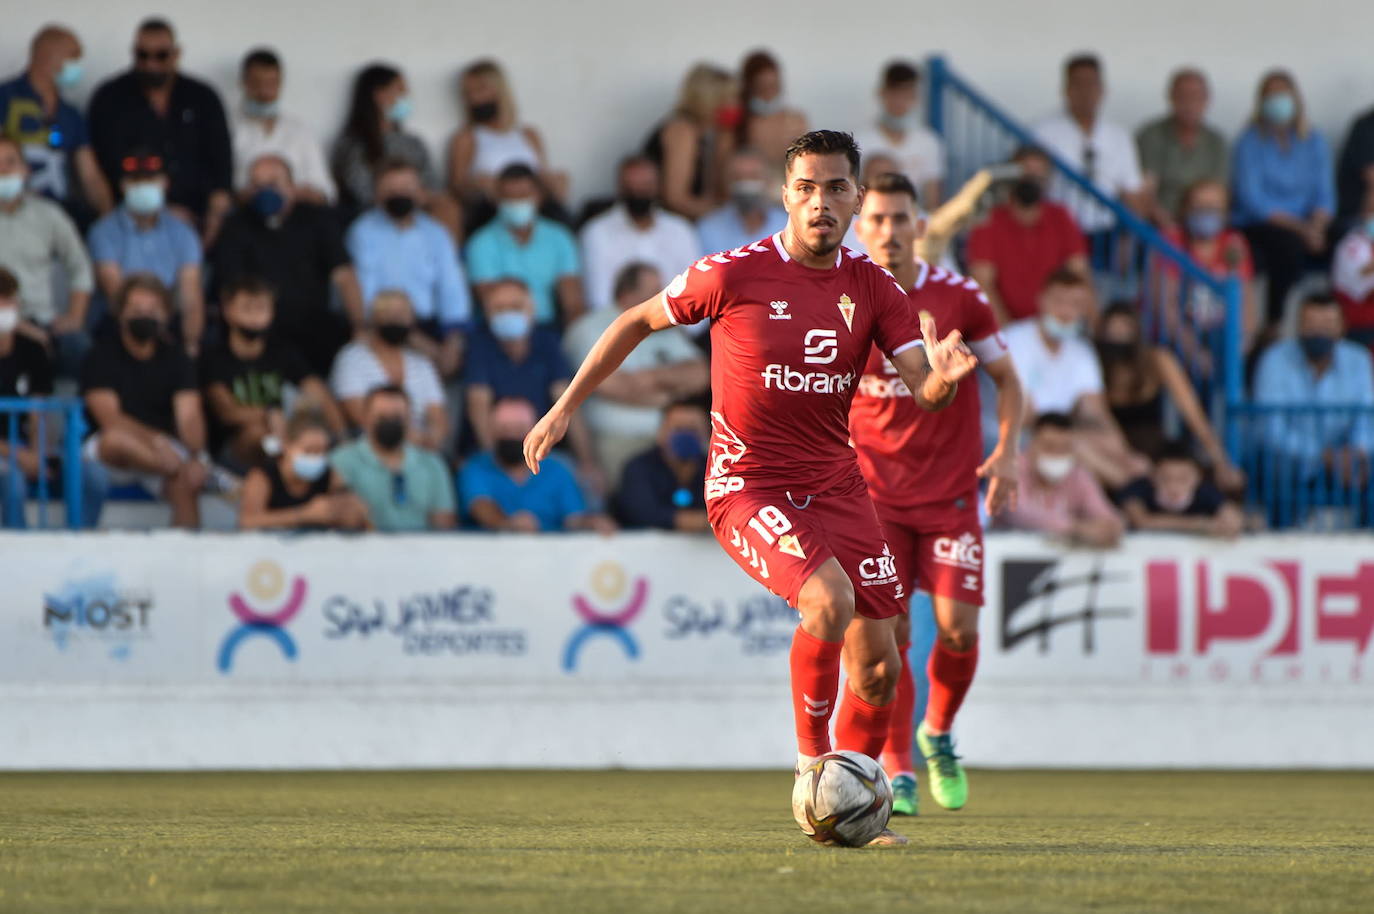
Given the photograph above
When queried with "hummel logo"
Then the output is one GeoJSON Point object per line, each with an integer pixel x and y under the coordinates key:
{"type": "Point", "coordinates": [816, 708]}
{"type": "Point", "coordinates": [780, 311]}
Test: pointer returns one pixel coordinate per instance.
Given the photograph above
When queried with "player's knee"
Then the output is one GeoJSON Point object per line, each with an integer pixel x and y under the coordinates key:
{"type": "Point", "coordinates": [960, 638]}
{"type": "Point", "coordinates": [826, 603]}
{"type": "Point", "coordinates": [876, 682]}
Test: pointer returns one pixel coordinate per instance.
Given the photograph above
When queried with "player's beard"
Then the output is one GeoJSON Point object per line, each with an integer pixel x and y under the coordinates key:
{"type": "Point", "coordinates": [823, 248]}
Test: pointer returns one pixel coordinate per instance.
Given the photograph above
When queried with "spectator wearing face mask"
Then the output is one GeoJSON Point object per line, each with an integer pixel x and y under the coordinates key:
{"type": "Point", "coordinates": [1057, 496]}
{"type": "Point", "coordinates": [142, 236]}
{"type": "Point", "coordinates": [384, 357]}
{"type": "Point", "coordinates": [249, 376]}
{"type": "Point", "coordinates": [51, 130]}
{"type": "Point", "coordinates": [901, 133]}
{"type": "Point", "coordinates": [1059, 373]}
{"type": "Point", "coordinates": [511, 357]}
{"type": "Point", "coordinates": [180, 118]}
{"type": "Point", "coordinates": [396, 246]}
{"type": "Point", "coordinates": [1200, 229]}
{"type": "Point", "coordinates": [542, 253]}
{"type": "Point", "coordinates": [1284, 195]}
{"type": "Point", "coordinates": [636, 229]}
{"type": "Point", "coordinates": [624, 414]}
{"type": "Point", "coordinates": [406, 488]}
{"type": "Point", "coordinates": [1352, 274]}
{"type": "Point", "coordinates": [298, 490]}
{"type": "Point", "coordinates": [374, 136]}
{"type": "Point", "coordinates": [498, 491]}
{"type": "Point", "coordinates": [261, 128]}
{"type": "Point", "coordinates": [296, 247]}
{"type": "Point", "coordinates": [1319, 369]}
{"type": "Point", "coordinates": [1180, 149]}
{"type": "Point", "coordinates": [753, 210]}
{"type": "Point", "coordinates": [1175, 498]}
{"type": "Point", "coordinates": [147, 424]}
{"type": "Point", "coordinates": [662, 488]}
{"type": "Point", "coordinates": [691, 146]}
{"type": "Point", "coordinates": [36, 236]}
{"type": "Point", "coordinates": [766, 124]}
{"type": "Point", "coordinates": [1023, 240]}
{"type": "Point", "coordinates": [493, 138]}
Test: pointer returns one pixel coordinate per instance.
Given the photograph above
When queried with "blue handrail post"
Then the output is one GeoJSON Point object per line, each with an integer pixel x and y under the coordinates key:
{"type": "Point", "coordinates": [936, 71]}
{"type": "Point", "coordinates": [75, 432]}
{"type": "Point", "coordinates": [1232, 364]}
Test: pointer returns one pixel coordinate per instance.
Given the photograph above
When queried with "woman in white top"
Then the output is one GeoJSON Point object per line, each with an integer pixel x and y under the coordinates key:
{"type": "Point", "coordinates": [900, 133]}
{"type": "Point", "coordinates": [767, 123]}
{"type": "Point", "coordinates": [492, 138]}
{"type": "Point", "coordinates": [383, 357]}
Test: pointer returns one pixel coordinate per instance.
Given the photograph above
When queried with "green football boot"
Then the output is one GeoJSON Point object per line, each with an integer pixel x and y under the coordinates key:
{"type": "Point", "coordinates": [948, 783]}
{"type": "Point", "coordinates": [905, 798]}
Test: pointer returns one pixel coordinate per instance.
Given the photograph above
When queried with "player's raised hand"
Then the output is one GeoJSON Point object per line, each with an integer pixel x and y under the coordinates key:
{"type": "Point", "coordinates": [949, 357]}
{"type": "Point", "coordinates": [546, 433]}
{"type": "Point", "coordinates": [1000, 472]}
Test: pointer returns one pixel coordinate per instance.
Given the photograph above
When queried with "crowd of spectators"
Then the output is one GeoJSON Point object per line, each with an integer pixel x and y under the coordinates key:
{"type": "Point", "coordinates": [356, 334]}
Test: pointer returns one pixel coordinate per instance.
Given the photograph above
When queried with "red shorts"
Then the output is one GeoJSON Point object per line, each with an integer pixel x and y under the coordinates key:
{"type": "Point", "coordinates": [939, 548]}
{"type": "Point", "coordinates": [780, 541]}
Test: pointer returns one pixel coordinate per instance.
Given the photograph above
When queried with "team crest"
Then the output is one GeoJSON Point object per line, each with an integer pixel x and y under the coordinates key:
{"type": "Point", "coordinates": [791, 545]}
{"type": "Point", "coordinates": [846, 307]}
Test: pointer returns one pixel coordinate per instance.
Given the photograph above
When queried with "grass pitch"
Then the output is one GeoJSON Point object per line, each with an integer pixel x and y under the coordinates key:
{"type": "Point", "coordinates": [668, 841]}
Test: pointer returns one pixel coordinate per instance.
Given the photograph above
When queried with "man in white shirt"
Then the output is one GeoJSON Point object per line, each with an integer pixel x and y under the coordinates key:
{"type": "Point", "coordinates": [900, 134]}
{"type": "Point", "coordinates": [1060, 373]}
{"type": "Point", "coordinates": [635, 229]}
{"type": "Point", "coordinates": [260, 128]}
{"type": "Point", "coordinates": [1100, 150]}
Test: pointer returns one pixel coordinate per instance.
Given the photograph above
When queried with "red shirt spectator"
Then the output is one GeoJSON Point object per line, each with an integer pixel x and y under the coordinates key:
{"type": "Point", "coordinates": [1352, 276]}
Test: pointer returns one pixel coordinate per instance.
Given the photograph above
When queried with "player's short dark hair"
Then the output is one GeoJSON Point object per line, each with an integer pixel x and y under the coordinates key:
{"type": "Point", "coordinates": [1066, 278]}
{"type": "Point", "coordinates": [825, 143]}
{"type": "Point", "coordinates": [1083, 60]}
{"type": "Point", "coordinates": [9, 286]}
{"type": "Point", "coordinates": [900, 73]}
{"type": "Point", "coordinates": [629, 277]}
{"type": "Point", "coordinates": [385, 390]}
{"type": "Point", "coordinates": [156, 24]}
{"type": "Point", "coordinates": [517, 171]}
{"type": "Point", "coordinates": [892, 182]}
{"type": "Point", "coordinates": [260, 57]}
{"type": "Point", "coordinates": [1061, 421]}
{"type": "Point", "coordinates": [144, 282]}
{"type": "Point", "coordinates": [1176, 450]}
{"type": "Point", "coordinates": [244, 284]}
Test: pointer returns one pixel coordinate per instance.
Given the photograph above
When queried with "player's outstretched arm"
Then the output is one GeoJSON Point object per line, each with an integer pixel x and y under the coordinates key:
{"type": "Point", "coordinates": [932, 372]}
{"type": "Point", "coordinates": [1000, 468]}
{"type": "Point", "coordinates": [625, 333]}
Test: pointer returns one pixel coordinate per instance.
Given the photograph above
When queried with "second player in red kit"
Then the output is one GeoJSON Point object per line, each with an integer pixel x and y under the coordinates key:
{"type": "Point", "coordinates": [793, 319]}
{"type": "Point", "coordinates": [923, 472]}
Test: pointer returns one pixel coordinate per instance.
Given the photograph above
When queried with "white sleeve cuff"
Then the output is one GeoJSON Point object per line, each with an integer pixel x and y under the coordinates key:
{"type": "Point", "coordinates": [672, 319]}
{"type": "Point", "coordinates": [905, 346]}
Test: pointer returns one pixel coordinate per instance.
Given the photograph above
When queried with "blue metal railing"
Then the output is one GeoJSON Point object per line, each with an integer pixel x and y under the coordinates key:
{"type": "Point", "coordinates": [14, 411]}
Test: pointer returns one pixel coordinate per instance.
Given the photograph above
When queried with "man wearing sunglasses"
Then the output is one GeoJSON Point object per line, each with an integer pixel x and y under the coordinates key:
{"type": "Point", "coordinates": [154, 105]}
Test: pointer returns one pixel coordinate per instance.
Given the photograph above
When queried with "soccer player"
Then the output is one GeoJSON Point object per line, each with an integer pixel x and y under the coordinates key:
{"type": "Point", "coordinates": [923, 473]}
{"type": "Point", "coordinates": [793, 318]}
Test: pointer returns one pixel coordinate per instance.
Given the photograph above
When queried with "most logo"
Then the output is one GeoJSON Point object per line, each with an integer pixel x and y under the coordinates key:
{"type": "Point", "coordinates": [610, 584]}
{"type": "Point", "coordinates": [266, 584]}
{"type": "Point", "coordinates": [97, 608]}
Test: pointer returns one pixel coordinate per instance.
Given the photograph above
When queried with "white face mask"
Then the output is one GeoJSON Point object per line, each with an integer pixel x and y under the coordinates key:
{"type": "Point", "coordinates": [1054, 469]}
{"type": "Point", "coordinates": [9, 319]}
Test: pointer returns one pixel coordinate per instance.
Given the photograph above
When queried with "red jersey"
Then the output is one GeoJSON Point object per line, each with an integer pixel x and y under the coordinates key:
{"type": "Point", "coordinates": [788, 343]}
{"type": "Point", "coordinates": [909, 456]}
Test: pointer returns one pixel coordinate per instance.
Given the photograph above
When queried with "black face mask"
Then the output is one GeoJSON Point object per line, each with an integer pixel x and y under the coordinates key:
{"type": "Point", "coordinates": [1116, 352]}
{"type": "Point", "coordinates": [150, 80]}
{"type": "Point", "coordinates": [1027, 191]}
{"type": "Point", "coordinates": [251, 334]}
{"type": "Point", "coordinates": [143, 329]}
{"type": "Point", "coordinates": [485, 112]}
{"type": "Point", "coordinates": [393, 334]}
{"type": "Point", "coordinates": [638, 205]}
{"type": "Point", "coordinates": [389, 432]}
{"type": "Point", "coordinates": [510, 451]}
{"type": "Point", "coordinates": [399, 206]}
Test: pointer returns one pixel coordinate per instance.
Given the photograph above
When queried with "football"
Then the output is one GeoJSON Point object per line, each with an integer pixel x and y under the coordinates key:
{"type": "Point", "coordinates": [842, 798]}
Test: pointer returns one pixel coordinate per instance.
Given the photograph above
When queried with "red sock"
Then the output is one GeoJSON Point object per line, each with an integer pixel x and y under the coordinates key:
{"type": "Point", "coordinates": [950, 675]}
{"type": "Point", "coordinates": [897, 753]}
{"type": "Point", "coordinates": [861, 726]}
{"type": "Point", "coordinates": [815, 683]}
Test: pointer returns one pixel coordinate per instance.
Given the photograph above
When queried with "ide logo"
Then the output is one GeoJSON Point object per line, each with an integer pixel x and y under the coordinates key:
{"type": "Point", "coordinates": [964, 552]}
{"type": "Point", "coordinates": [821, 347]}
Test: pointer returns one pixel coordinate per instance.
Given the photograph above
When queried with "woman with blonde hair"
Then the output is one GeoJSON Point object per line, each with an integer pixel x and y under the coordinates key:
{"type": "Point", "coordinates": [1284, 192]}
{"type": "Point", "coordinates": [692, 144]}
{"type": "Point", "coordinates": [493, 138]}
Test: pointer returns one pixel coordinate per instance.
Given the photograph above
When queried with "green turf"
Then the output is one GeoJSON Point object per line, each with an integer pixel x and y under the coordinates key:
{"type": "Point", "coordinates": [665, 841]}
